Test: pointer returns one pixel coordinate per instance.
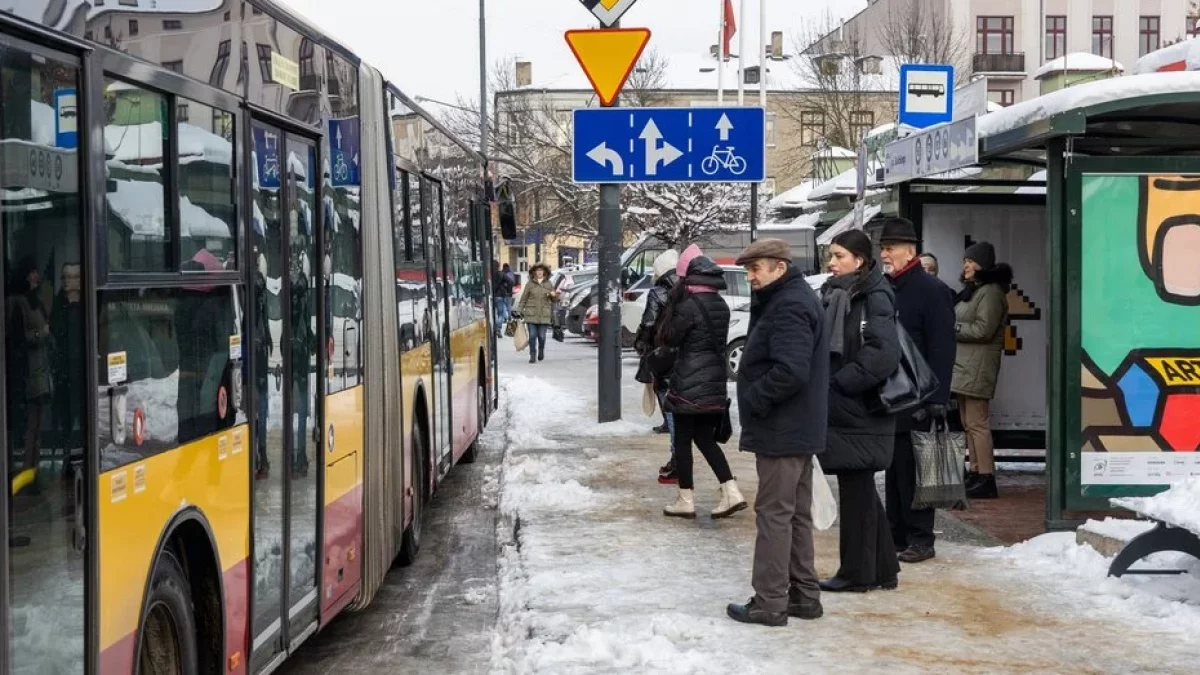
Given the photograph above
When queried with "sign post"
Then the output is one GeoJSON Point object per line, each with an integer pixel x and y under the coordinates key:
{"type": "Point", "coordinates": [608, 57]}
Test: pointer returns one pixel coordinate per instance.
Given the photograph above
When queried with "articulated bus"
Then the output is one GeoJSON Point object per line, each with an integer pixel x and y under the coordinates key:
{"type": "Point", "coordinates": [247, 332]}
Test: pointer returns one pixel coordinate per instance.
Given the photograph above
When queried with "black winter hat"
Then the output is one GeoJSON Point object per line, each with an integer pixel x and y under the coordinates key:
{"type": "Point", "coordinates": [983, 253]}
{"type": "Point", "coordinates": [898, 230]}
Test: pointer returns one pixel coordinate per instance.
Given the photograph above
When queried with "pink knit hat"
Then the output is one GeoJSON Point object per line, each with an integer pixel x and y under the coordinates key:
{"type": "Point", "coordinates": [689, 254]}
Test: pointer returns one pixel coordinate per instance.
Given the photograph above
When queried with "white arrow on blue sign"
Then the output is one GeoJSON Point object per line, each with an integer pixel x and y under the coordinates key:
{"type": "Point", "coordinates": [669, 145]}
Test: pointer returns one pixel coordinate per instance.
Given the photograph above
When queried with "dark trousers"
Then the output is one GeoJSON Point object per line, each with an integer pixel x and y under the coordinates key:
{"type": "Point", "coordinates": [784, 552]}
{"type": "Point", "coordinates": [698, 428]}
{"type": "Point", "coordinates": [865, 539]}
{"type": "Point", "coordinates": [910, 527]}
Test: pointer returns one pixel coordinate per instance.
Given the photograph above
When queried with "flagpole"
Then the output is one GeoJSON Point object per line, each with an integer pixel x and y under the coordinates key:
{"type": "Point", "coordinates": [721, 56]}
{"type": "Point", "coordinates": [762, 53]}
{"type": "Point", "coordinates": [742, 54]}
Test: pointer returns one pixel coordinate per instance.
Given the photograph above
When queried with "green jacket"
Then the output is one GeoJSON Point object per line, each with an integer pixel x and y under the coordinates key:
{"type": "Point", "coordinates": [979, 328]}
{"type": "Point", "coordinates": [537, 302]}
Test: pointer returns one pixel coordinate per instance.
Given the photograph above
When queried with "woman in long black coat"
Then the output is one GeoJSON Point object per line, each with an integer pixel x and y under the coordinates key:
{"type": "Point", "coordinates": [860, 320]}
{"type": "Point", "coordinates": [695, 323]}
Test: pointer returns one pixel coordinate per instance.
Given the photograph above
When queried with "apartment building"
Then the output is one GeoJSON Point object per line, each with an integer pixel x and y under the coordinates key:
{"type": "Point", "coordinates": [1009, 40]}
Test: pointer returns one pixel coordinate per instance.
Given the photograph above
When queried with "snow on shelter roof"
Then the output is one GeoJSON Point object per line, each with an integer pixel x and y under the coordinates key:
{"type": "Point", "coordinates": [796, 197]}
{"type": "Point", "coordinates": [1078, 62]}
{"type": "Point", "coordinates": [1086, 95]}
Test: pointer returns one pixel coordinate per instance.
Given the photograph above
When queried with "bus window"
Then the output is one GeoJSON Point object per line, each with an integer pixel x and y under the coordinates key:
{"type": "Point", "coordinates": [44, 370]}
{"type": "Point", "coordinates": [207, 208]}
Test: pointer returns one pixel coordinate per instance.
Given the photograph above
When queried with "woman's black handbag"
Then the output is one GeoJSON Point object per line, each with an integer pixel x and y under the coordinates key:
{"type": "Point", "coordinates": [557, 333]}
{"type": "Point", "coordinates": [911, 385]}
{"type": "Point", "coordinates": [661, 361]}
{"type": "Point", "coordinates": [724, 430]}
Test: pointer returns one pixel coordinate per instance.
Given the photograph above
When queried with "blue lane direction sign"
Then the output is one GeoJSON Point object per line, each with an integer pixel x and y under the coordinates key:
{"type": "Point", "coordinates": [344, 151]}
{"type": "Point", "coordinates": [926, 94]}
{"type": "Point", "coordinates": [669, 145]}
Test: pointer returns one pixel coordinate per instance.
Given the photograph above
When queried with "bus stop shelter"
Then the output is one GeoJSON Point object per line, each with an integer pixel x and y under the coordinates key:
{"type": "Point", "coordinates": [1102, 347]}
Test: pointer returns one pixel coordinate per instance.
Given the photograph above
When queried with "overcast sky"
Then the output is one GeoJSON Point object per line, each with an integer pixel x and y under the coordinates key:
{"type": "Point", "coordinates": [430, 47]}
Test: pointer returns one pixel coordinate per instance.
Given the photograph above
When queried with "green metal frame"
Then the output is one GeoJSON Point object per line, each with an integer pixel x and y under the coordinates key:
{"type": "Point", "coordinates": [1097, 496]}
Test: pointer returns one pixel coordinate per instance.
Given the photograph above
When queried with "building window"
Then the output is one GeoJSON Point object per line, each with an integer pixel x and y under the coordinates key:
{"type": "Point", "coordinates": [1056, 37]}
{"type": "Point", "coordinates": [221, 66]}
{"type": "Point", "coordinates": [108, 34]}
{"type": "Point", "coordinates": [861, 123]}
{"type": "Point", "coordinates": [1004, 97]}
{"type": "Point", "coordinates": [1102, 36]}
{"type": "Point", "coordinates": [1149, 36]}
{"type": "Point", "coordinates": [227, 16]}
{"type": "Point", "coordinates": [1193, 26]}
{"type": "Point", "coordinates": [133, 27]}
{"type": "Point", "coordinates": [181, 113]}
{"type": "Point", "coordinates": [264, 62]}
{"type": "Point", "coordinates": [994, 35]}
{"type": "Point", "coordinates": [772, 127]}
{"type": "Point", "coordinates": [172, 24]}
{"type": "Point", "coordinates": [176, 66]}
{"type": "Point", "coordinates": [812, 127]}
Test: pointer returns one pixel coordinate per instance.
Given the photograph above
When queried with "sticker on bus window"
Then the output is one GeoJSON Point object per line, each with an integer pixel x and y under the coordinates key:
{"type": "Point", "coordinates": [118, 368]}
{"type": "Point", "coordinates": [235, 347]}
{"type": "Point", "coordinates": [139, 478]}
{"type": "Point", "coordinates": [118, 486]}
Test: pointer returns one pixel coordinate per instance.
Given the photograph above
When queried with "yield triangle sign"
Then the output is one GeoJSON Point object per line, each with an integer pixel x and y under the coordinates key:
{"type": "Point", "coordinates": [608, 57]}
{"type": "Point", "coordinates": [608, 11]}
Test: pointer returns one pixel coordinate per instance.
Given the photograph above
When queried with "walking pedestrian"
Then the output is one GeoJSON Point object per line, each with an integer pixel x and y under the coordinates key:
{"type": "Point", "coordinates": [503, 283]}
{"type": "Point", "coordinates": [980, 315]}
{"type": "Point", "coordinates": [927, 313]}
{"type": "Point", "coordinates": [537, 309]}
{"type": "Point", "coordinates": [864, 349]}
{"type": "Point", "coordinates": [695, 322]}
{"type": "Point", "coordinates": [783, 398]}
{"type": "Point", "coordinates": [665, 278]}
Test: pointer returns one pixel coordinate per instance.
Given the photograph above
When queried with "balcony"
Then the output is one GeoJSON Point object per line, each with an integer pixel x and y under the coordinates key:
{"type": "Point", "coordinates": [998, 63]}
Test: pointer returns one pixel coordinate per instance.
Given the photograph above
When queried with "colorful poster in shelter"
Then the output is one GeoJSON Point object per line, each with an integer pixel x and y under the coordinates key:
{"type": "Point", "coordinates": [1140, 312]}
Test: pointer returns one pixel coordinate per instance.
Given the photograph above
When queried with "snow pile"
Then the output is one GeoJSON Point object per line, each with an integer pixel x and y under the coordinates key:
{"type": "Point", "coordinates": [1069, 578]}
{"type": "Point", "coordinates": [544, 416]}
{"type": "Point", "coordinates": [541, 482]}
{"type": "Point", "coordinates": [1117, 528]}
{"type": "Point", "coordinates": [1078, 62]}
{"type": "Point", "coordinates": [1179, 506]}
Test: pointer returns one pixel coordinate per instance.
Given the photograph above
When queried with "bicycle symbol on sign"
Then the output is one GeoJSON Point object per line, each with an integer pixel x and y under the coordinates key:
{"type": "Point", "coordinates": [341, 170]}
{"type": "Point", "coordinates": [723, 158]}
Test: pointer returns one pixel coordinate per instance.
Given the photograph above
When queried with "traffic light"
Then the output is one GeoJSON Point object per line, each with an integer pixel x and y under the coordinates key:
{"type": "Point", "coordinates": [508, 213]}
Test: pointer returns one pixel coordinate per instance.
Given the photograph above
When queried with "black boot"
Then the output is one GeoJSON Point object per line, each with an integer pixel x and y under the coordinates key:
{"type": "Point", "coordinates": [802, 607]}
{"type": "Point", "coordinates": [662, 429]}
{"type": "Point", "coordinates": [916, 553]}
{"type": "Point", "coordinates": [984, 487]}
{"type": "Point", "coordinates": [667, 475]}
{"type": "Point", "coordinates": [752, 613]}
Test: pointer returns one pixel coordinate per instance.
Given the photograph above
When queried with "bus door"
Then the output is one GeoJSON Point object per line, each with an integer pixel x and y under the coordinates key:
{"type": "Point", "coordinates": [433, 210]}
{"type": "Point", "coordinates": [286, 381]}
{"type": "Point", "coordinates": [42, 597]}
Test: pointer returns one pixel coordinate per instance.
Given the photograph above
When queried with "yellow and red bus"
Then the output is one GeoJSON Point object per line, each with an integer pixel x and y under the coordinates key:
{"type": "Point", "coordinates": [247, 332]}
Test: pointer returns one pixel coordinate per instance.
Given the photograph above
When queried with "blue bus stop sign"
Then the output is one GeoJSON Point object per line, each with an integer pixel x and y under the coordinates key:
{"type": "Point", "coordinates": [926, 94]}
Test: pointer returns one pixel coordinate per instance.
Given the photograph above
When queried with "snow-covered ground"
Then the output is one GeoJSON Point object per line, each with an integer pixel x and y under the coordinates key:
{"type": "Point", "coordinates": [594, 580]}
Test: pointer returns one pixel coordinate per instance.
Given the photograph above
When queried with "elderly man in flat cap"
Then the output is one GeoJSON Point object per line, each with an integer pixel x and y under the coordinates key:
{"type": "Point", "coordinates": [783, 394]}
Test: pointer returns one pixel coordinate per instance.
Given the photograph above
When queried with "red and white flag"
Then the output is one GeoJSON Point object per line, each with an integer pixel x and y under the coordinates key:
{"type": "Point", "coordinates": [729, 29]}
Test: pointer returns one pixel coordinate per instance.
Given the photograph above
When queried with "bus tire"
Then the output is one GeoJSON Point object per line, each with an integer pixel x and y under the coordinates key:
{"type": "Point", "coordinates": [410, 543]}
{"type": "Point", "coordinates": [167, 639]}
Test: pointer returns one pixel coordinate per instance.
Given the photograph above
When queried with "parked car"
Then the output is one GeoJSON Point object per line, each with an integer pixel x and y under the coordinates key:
{"type": "Point", "coordinates": [739, 324]}
{"type": "Point", "coordinates": [736, 294]}
{"type": "Point", "coordinates": [591, 323]}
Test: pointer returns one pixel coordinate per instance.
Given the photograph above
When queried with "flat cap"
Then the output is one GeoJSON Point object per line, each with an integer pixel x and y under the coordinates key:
{"type": "Point", "coordinates": [775, 249]}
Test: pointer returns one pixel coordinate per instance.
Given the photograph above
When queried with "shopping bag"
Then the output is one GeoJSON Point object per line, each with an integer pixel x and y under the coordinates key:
{"type": "Point", "coordinates": [521, 339]}
{"type": "Point", "coordinates": [510, 327]}
{"type": "Point", "coordinates": [649, 400]}
{"type": "Point", "coordinates": [824, 506]}
{"type": "Point", "coordinates": [938, 453]}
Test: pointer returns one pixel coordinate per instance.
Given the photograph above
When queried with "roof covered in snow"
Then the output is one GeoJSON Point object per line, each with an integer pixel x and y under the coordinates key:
{"type": "Point", "coordinates": [795, 197]}
{"type": "Point", "coordinates": [1078, 62]}
{"type": "Point", "coordinates": [847, 223]}
{"type": "Point", "coordinates": [1185, 54]}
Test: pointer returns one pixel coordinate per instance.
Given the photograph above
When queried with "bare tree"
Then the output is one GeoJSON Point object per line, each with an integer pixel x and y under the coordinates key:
{"type": "Point", "coordinates": [532, 147]}
{"type": "Point", "coordinates": [919, 31]}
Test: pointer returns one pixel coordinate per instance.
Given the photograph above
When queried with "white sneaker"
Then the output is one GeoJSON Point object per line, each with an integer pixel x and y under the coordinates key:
{"type": "Point", "coordinates": [731, 500]}
{"type": "Point", "coordinates": [684, 506]}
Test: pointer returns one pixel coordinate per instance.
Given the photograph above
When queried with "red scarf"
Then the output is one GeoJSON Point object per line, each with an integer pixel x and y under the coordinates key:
{"type": "Point", "coordinates": [907, 268]}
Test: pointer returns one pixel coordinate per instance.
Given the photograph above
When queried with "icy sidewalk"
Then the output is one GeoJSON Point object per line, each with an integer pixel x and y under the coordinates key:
{"type": "Point", "coordinates": [595, 580]}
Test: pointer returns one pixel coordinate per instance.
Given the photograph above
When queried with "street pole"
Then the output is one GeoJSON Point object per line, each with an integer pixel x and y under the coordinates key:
{"type": "Point", "coordinates": [483, 82]}
{"type": "Point", "coordinates": [762, 102]}
{"type": "Point", "coordinates": [609, 299]}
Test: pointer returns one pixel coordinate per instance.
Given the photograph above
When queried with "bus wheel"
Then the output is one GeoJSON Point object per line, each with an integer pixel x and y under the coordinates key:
{"type": "Point", "coordinates": [472, 452]}
{"type": "Point", "coordinates": [410, 544]}
{"type": "Point", "coordinates": [168, 636]}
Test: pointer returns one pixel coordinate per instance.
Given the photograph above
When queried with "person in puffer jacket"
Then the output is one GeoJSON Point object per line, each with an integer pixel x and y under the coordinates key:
{"type": "Point", "coordinates": [696, 323]}
{"type": "Point", "coordinates": [656, 299]}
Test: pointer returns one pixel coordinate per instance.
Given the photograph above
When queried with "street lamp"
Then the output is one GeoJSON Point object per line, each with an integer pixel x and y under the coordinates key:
{"type": "Point", "coordinates": [426, 99]}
